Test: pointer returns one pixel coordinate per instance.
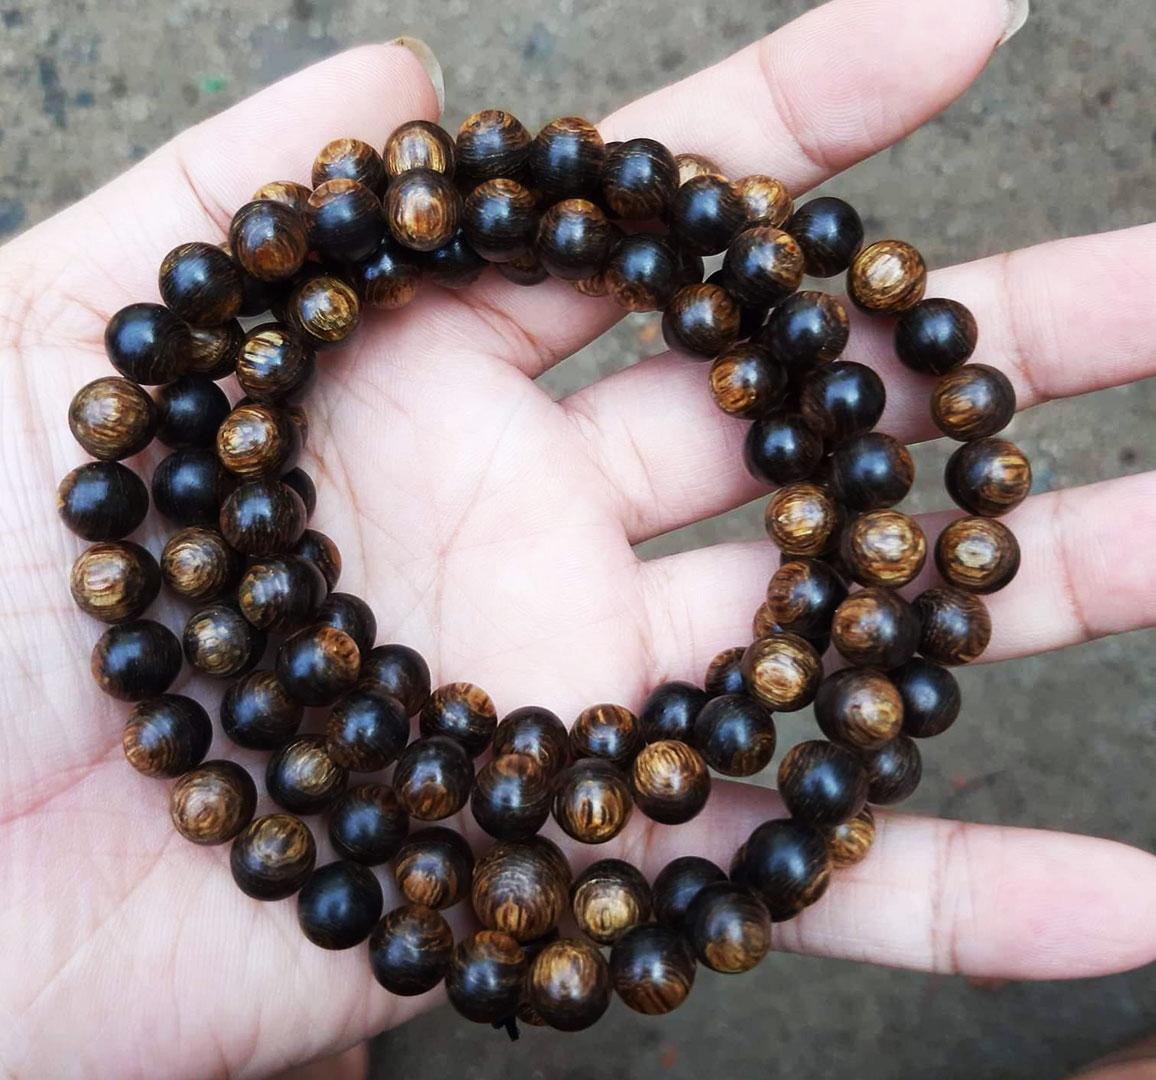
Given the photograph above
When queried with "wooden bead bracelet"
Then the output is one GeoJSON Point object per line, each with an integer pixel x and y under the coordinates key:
{"type": "Point", "coordinates": [632, 221]}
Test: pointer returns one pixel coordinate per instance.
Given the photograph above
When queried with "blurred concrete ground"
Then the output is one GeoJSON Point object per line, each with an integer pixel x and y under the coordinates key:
{"type": "Point", "coordinates": [1057, 138]}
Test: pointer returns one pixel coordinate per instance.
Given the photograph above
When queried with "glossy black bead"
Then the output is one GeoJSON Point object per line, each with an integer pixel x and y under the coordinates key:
{"type": "Point", "coordinates": [166, 735]}
{"type": "Point", "coordinates": [366, 730]}
{"type": "Point", "coordinates": [258, 713]}
{"type": "Point", "coordinates": [822, 783]}
{"type": "Point", "coordinates": [455, 264]}
{"type": "Point", "coordinates": [802, 597]}
{"type": "Point", "coordinates": [701, 320]}
{"type": "Point", "coordinates": [345, 220]}
{"type": "Point", "coordinates": [367, 824]}
{"type": "Point", "coordinates": [936, 336]}
{"type": "Point", "coordinates": [318, 664]}
{"type": "Point", "coordinates": [537, 733]}
{"type": "Point", "coordinates": [786, 863]}
{"type": "Point", "coordinates": [220, 642]}
{"type": "Point", "coordinates": [301, 776]}
{"type": "Point", "coordinates": [350, 613]}
{"type": "Point", "coordinates": [566, 158]}
{"type": "Point", "coordinates": [678, 883]}
{"type": "Point", "coordinates": [276, 363]}
{"type": "Point", "coordinates": [643, 272]}
{"type": "Point", "coordinates": [806, 329]}
{"type": "Point", "coordinates": [670, 710]}
{"type": "Point", "coordinates": [724, 674]}
{"type": "Point", "coordinates": [147, 343]}
{"type": "Point", "coordinates": [262, 517]}
{"type": "Point", "coordinates": [830, 232]}
{"type": "Point", "coordinates": [339, 904]}
{"type": "Point", "coordinates": [574, 239]}
{"type": "Point", "coordinates": [764, 266]}
{"type": "Point", "coordinates": [729, 928]}
{"type": "Point", "coordinates": [893, 771]}
{"type": "Point", "coordinates": [302, 483]}
{"type": "Point", "coordinates": [201, 284]}
{"type": "Point", "coordinates": [491, 144]}
{"type": "Point", "coordinates": [281, 593]}
{"type": "Point", "coordinates": [102, 500]}
{"type": "Point", "coordinates": [189, 486]}
{"type": "Point", "coordinates": [871, 471]}
{"type": "Point", "coordinates": [706, 214]}
{"type": "Point", "coordinates": [735, 734]}
{"type": "Point", "coordinates": [317, 548]}
{"type": "Point", "coordinates": [511, 797]}
{"type": "Point", "coordinates": [931, 697]}
{"type": "Point", "coordinates": [652, 968]}
{"type": "Point", "coordinates": [410, 950]}
{"type": "Point", "coordinates": [745, 381]}
{"type": "Point", "coordinates": [433, 778]}
{"type": "Point", "coordinates": [136, 660]}
{"type": "Point", "coordinates": [189, 411]}
{"type": "Point", "coordinates": [388, 276]}
{"type": "Point", "coordinates": [842, 399]}
{"type": "Point", "coordinates": [639, 179]}
{"type": "Point", "coordinates": [273, 857]}
{"type": "Point", "coordinates": [485, 977]}
{"type": "Point", "coordinates": [400, 672]}
{"type": "Point", "coordinates": [500, 218]}
{"type": "Point", "coordinates": [782, 448]}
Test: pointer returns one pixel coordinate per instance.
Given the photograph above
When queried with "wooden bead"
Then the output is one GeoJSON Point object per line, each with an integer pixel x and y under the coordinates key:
{"type": "Point", "coordinates": [639, 179]}
{"type": "Point", "coordinates": [849, 842]}
{"type": "Point", "coordinates": [735, 734]}
{"type": "Point", "coordinates": [325, 308]}
{"type": "Point", "coordinates": [258, 713]}
{"type": "Point", "coordinates": [410, 949]}
{"type": "Point", "coordinates": [269, 240]}
{"type": "Point", "coordinates": [166, 735]}
{"type": "Point", "coordinates": [692, 165]}
{"type": "Point", "coordinates": [724, 673]}
{"type": "Point", "coordinates": [592, 801]}
{"type": "Point", "coordinates": [822, 783]}
{"type": "Point", "coordinates": [400, 672]}
{"type": "Point", "coordinates": [102, 500]}
{"type": "Point", "coordinates": [262, 517]}
{"type": "Point", "coordinates": [875, 628]}
{"type": "Point", "coordinates": [462, 712]}
{"type": "Point", "coordinates": [303, 778]}
{"type": "Point", "coordinates": [802, 597]}
{"type": "Point", "coordinates": [220, 642]}
{"type": "Point", "coordinates": [936, 336]}
{"type": "Point", "coordinates": [365, 730]}
{"type": "Point", "coordinates": [492, 144]}
{"type": "Point", "coordinates": [423, 209]}
{"type": "Point", "coordinates": [608, 898]}
{"type": "Point", "coordinates": [317, 548]}
{"type": "Point", "coordinates": [955, 626]}
{"type": "Point", "coordinates": [289, 192]}
{"type": "Point", "coordinates": [701, 320]}
{"type": "Point", "coordinates": [344, 611]}
{"type": "Point", "coordinates": [281, 593]}
{"type": "Point", "coordinates": [763, 624]}
{"type": "Point", "coordinates": [136, 660]}
{"type": "Point", "coordinates": [764, 265]}
{"type": "Point", "coordinates": [931, 697]}
{"type": "Point", "coordinates": [388, 277]}
{"type": "Point", "coordinates": [642, 272]}
{"type": "Point", "coordinates": [147, 343]}
{"type": "Point", "coordinates": [670, 710]}
{"type": "Point", "coordinates": [745, 381]}
{"type": "Point", "coordinates": [783, 672]}
{"type": "Point", "coordinates": [189, 411]}
{"type": "Point", "coordinates": [298, 479]}
{"type": "Point", "coordinates": [973, 402]}
{"type": "Point", "coordinates": [893, 771]}
{"type": "Point", "coordinates": [566, 158]}
{"type": "Point", "coordinates": [842, 399]}
{"type": "Point", "coordinates": [574, 239]}
{"type": "Point", "coordinates": [435, 867]}
{"type": "Point", "coordinates": [568, 985]}
{"type": "Point", "coordinates": [988, 477]}
{"type": "Point", "coordinates": [318, 664]}
{"type": "Point", "coordinates": [433, 778]}
{"type": "Point", "coordinates": [887, 278]}
{"type": "Point", "coordinates": [500, 219]}
{"type": "Point", "coordinates": [454, 265]}
{"type": "Point", "coordinates": [419, 144]}
{"type": "Point", "coordinates": [525, 269]}
{"type": "Point", "coordinates": [884, 548]}
{"type": "Point", "coordinates": [345, 220]}
{"type": "Point", "coordinates": [781, 449]}
{"type": "Point", "coordinates": [114, 581]}
{"type": "Point", "coordinates": [521, 888]}
{"type": "Point", "coordinates": [611, 732]}
{"type": "Point", "coordinates": [859, 707]}
{"type": "Point", "coordinates": [213, 350]}
{"type": "Point", "coordinates": [706, 214]}
{"type": "Point", "coordinates": [728, 927]}
{"type": "Point", "coordinates": [785, 862]}
{"type": "Point", "coordinates": [189, 486]}
{"type": "Point", "coordinates": [213, 802]}
{"type": "Point", "coordinates": [112, 418]}
{"type": "Point", "coordinates": [339, 904]}
{"type": "Point", "coordinates": [979, 555]}
{"type": "Point", "coordinates": [536, 733]}
{"type": "Point", "coordinates": [273, 857]}
{"type": "Point", "coordinates": [678, 883]}
{"type": "Point", "coordinates": [511, 797]}
{"type": "Point", "coordinates": [806, 329]}
{"type": "Point", "coordinates": [485, 976]}
{"type": "Point", "coordinates": [830, 232]}
{"type": "Point", "coordinates": [349, 159]}
{"type": "Point", "coordinates": [652, 969]}
{"type": "Point", "coordinates": [257, 440]}
{"type": "Point", "coordinates": [803, 519]}
{"type": "Point", "coordinates": [766, 201]}
{"type": "Point", "coordinates": [275, 363]}
{"type": "Point", "coordinates": [871, 471]}
{"type": "Point", "coordinates": [670, 781]}
{"type": "Point", "coordinates": [201, 284]}
{"type": "Point", "coordinates": [367, 824]}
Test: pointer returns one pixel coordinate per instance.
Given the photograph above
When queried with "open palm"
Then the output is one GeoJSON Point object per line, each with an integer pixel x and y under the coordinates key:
{"type": "Point", "coordinates": [491, 528]}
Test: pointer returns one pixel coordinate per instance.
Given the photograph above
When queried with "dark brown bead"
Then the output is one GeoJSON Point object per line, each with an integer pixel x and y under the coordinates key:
{"type": "Point", "coordinates": [781, 449]}
{"type": "Point", "coordinates": [433, 778]}
{"type": "Point", "coordinates": [289, 192]}
{"type": "Point", "coordinates": [521, 888]}
{"type": "Point", "coordinates": [763, 624]}
{"type": "Point", "coordinates": [639, 179]}
{"type": "Point", "coordinates": [189, 486]}
{"type": "Point", "coordinates": [102, 500]}
{"type": "Point", "coordinates": [822, 783]}
{"type": "Point", "coordinates": [692, 165]}
{"type": "Point", "coordinates": [325, 308]}
{"type": "Point", "coordinates": [500, 219]}
{"type": "Point", "coordinates": [537, 733]}
{"type": "Point", "coordinates": [782, 671]}
{"type": "Point", "coordinates": [842, 399]}
{"type": "Point", "coordinates": [114, 581]}
{"type": "Point", "coordinates": [423, 209]}
{"type": "Point", "coordinates": [973, 402]}
{"type": "Point", "coordinates": [262, 517]}
{"type": "Point", "coordinates": [931, 697]}
{"type": "Point", "coordinates": [608, 898]}
{"type": "Point", "coordinates": [706, 214]}
{"type": "Point", "coordinates": [670, 781]}
{"type": "Point", "coordinates": [257, 440]}
{"type": "Point", "coordinates": [435, 867]}
{"type": "Point", "coordinates": [511, 797]}
{"type": "Point", "coordinates": [201, 284]}
{"type": "Point", "coordinates": [136, 660]}
{"type": "Point", "coordinates": [339, 904]}
{"type": "Point", "coordinates": [568, 985]}
{"type": "Point", "coordinates": [525, 269]}
{"type": "Point", "coordinates": [883, 548]}
{"type": "Point", "coordinates": [765, 200]}
{"type": "Point", "coordinates": [367, 824]}
{"type": "Point", "coordinates": [273, 857]}
{"type": "Point", "coordinates": [735, 734]}
{"type": "Point", "coordinates": [678, 883]}
{"type": "Point", "coordinates": [281, 593]}
{"type": "Point", "coordinates": [419, 144]}
{"type": "Point", "coordinates": [642, 272]}
{"type": "Point", "coordinates": [318, 664]}
{"type": "Point", "coordinates": [166, 735]}
{"type": "Point", "coordinates": [806, 329]}
{"type": "Point", "coordinates": [701, 320]}
{"type": "Point", "coordinates": [574, 239]}
{"type": "Point", "coordinates": [936, 336]}
{"type": "Point", "coordinates": [860, 708]}
{"type": "Point", "coordinates": [955, 626]}
{"type": "Point", "coordinates": [410, 949]}
{"type": "Point", "coordinates": [269, 239]}
{"type": "Point", "coordinates": [189, 411]}
{"type": "Point", "coordinates": [887, 278]}
{"type": "Point", "coordinates": [147, 343]}
{"type": "Point", "coordinates": [875, 628]}
{"type": "Point", "coordinates": [112, 418]}
{"type": "Point", "coordinates": [345, 220]}
{"type": "Point", "coordinates": [366, 730]}
{"type": "Point", "coordinates": [463, 712]}
{"type": "Point", "coordinates": [652, 969]}
{"type": "Point", "coordinates": [786, 862]}
{"type": "Point", "coordinates": [724, 673]}
{"type": "Point", "coordinates": [893, 771]}
{"type": "Point", "coordinates": [988, 477]}
{"type": "Point", "coordinates": [321, 551]}
{"type": "Point", "coordinates": [611, 732]}
{"type": "Point", "coordinates": [764, 265]}
{"type": "Point", "coordinates": [566, 158]}
{"type": "Point", "coordinates": [485, 976]}
{"type": "Point", "coordinates": [349, 159]}
{"type": "Point", "coordinates": [400, 672]}
{"type": "Point", "coordinates": [849, 842]}
{"type": "Point", "coordinates": [592, 801]}
{"type": "Point", "coordinates": [213, 350]}
{"type": "Point", "coordinates": [454, 265]}
{"type": "Point", "coordinates": [275, 363]}
{"type": "Point", "coordinates": [303, 778]}
{"type": "Point", "coordinates": [388, 276]}
{"type": "Point", "coordinates": [802, 597]}
{"type": "Point", "coordinates": [803, 519]}
{"type": "Point", "coordinates": [871, 471]}
{"type": "Point", "coordinates": [344, 611]}
{"type": "Point", "coordinates": [220, 642]}
{"type": "Point", "coordinates": [979, 555]}
{"type": "Point", "coordinates": [492, 144]}
{"type": "Point", "coordinates": [258, 713]}
{"type": "Point", "coordinates": [669, 711]}
{"type": "Point", "coordinates": [830, 233]}
{"type": "Point", "coordinates": [728, 927]}
{"type": "Point", "coordinates": [213, 802]}
{"type": "Point", "coordinates": [745, 381]}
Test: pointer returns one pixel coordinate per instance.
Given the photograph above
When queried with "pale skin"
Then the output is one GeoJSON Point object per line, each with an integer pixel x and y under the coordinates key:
{"type": "Point", "coordinates": [491, 528]}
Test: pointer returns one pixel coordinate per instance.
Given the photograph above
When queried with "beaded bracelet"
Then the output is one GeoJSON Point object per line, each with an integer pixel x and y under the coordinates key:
{"type": "Point", "coordinates": [631, 221]}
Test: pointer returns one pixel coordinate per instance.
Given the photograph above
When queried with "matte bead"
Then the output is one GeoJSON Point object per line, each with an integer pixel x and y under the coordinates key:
{"type": "Point", "coordinates": [782, 671]}
{"type": "Point", "coordinates": [955, 626]}
{"type": "Point", "coordinates": [669, 711]}
{"type": "Point", "coordinates": [822, 783]}
{"type": "Point", "coordinates": [979, 555]}
{"type": "Point", "coordinates": [281, 593]}
{"type": "Point", "coordinates": [201, 284]}
{"type": "Point", "coordinates": [936, 336]}
{"type": "Point", "coordinates": [521, 888]}
{"type": "Point", "coordinates": [213, 350]}
{"type": "Point", "coordinates": [301, 482]}
{"type": "Point", "coordinates": [317, 548]}
{"type": "Point", "coordinates": [735, 734]}
{"type": "Point", "coordinates": [273, 857]}
{"type": "Point", "coordinates": [536, 733]}
{"type": "Point", "coordinates": [454, 265]}
{"type": "Point", "coordinates": [642, 272]}
{"type": "Point", "coordinates": [883, 548]}
{"type": "Point", "coordinates": [973, 402]}
{"type": "Point", "coordinates": [574, 239]}
{"type": "Point", "coordinates": [339, 904]}
{"type": "Point", "coordinates": [745, 381]}
{"type": "Point", "coordinates": [639, 179]}
{"type": "Point", "coordinates": [220, 642]}
{"type": "Point", "coordinates": [256, 441]}
{"type": "Point", "coordinates": [766, 201]}
{"type": "Point", "coordinates": [485, 976]}
{"type": "Point", "coordinates": [988, 477]}
{"type": "Point", "coordinates": [592, 801]}
{"type": "Point", "coordinates": [344, 611]}
{"type": "Point", "coordinates": [860, 708]}
{"type": "Point", "coordinates": [189, 411]}
{"type": "Point", "coordinates": [419, 144]}
{"type": "Point", "coordinates": [136, 660]}
{"type": "Point", "coordinates": [365, 730]}
{"type": "Point", "coordinates": [830, 232]}
{"type": "Point", "coordinates": [189, 486]}
{"type": "Point", "coordinates": [433, 778]}
{"type": "Point", "coordinates": [325, 308]}
{"type": "Point", "coordinates": [652, 969]}
{"type": "Point", "coordinates": [802, 597]}
{"type": "Point", "coordinates": [102, 500]}
{"type": "Point", "coordinates": [166, 735]}
{"type": "Point", "coordinates": [701, 320]}
{"type": "Point", "coordinates": [803, 519]}
{"type": "Point", "coordinates": [568, 985]}
{"type": "Point", "coordinates": [887, 278]}
{"type": "Point", "coordinates": [262, 517]}
{"type": "Point", "coordinates": [302, 778]}
{"type": "Point", "coordinates": [318, 664]}
{"type": "Point", "coordinates": [289, 192]}
{"type": "Point", "coordinates": [275, 363]}
{"type": "Point", "coordinates": [213, 802]}
{"type": "Point", "coordinates": [435, 867]}
{"type": "Point", "coordinates": [849, 842]}
{"type": "Point", "coordinates": [875, 628]}
{"type": "Point", "coordinates": [678, 883]}
{"type": "Point", "coordinates": [388, 276]}
{"type": "Point", "coordinates": [500, 219]}
{"type": "Point", "coordinates": [608, 898]}
{"type": "Point", "coordinates": [410, 949]}
{"type": "Point", "coordinates": [871, 471]}
{"type": "Point", "coordinates": [611, 732]}
{"type": "Point", "coordinates": [728, 927]}
{"type": "Point", "coordinates": [781, 449]}
{"type": "Point", "coordinates": [724, 673]}
{"type": "Point", "coordinates": [345, 220]}
{"type": "Point", "coordinates": [893, 771]}
{"type": "Point", "coordinates": [114, 581]}
{"type": "Point", "coordinates": [764, 265]}
{"type": "Point", "coordinates": [785, 861]}
{"type": "Point", "coordinates": [706, 214]}
{"type": "Point", "coordinates": [112, 418]}
{"type": "Point", "coordinates": [931, 697]}
{"type": "Point", "coordinates": [566, 158]}
{"type": "Point", "coordinates": [147, 343]}
{"type": "Point", "coordinates": [511, 797]}
{"type": "Point", "coordinates": [842, 399]}
{"type": "Point", "coordinates": [367, 824]}
{"type": "Point", "coordinates": [269, 240]}
{"type": "Point", "coordinates": [670, 781]}
{"type": "Point", "coordinates": [258, 713]}
{"type": "Point", "coordinates": [492, 144]}
{"type": "Point", "coordinates": [349, 159]}
{"type": "Point", "coordinates": [400, 672]}
{"type": "Point", "coordinates": [806, 329]}
{"type": "Point", "coordinates": [423, 209]}
{"type": "Point", "coordinates": [462, 712]}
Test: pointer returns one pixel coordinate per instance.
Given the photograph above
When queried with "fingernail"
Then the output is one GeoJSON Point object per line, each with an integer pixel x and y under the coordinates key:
{"type": "Point", "coordinates": [1017, 15]}
{"type": "Point", "coordinates": [430, 63]}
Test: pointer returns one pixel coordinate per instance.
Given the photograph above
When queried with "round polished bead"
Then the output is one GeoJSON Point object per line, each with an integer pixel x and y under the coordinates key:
{"type": "Point", "coordinates": [977, 554]}
{"type": "Point", "coordinates": [973, 402]}
{"type": "Point", "coordinates": [388, 276]}
{"type": "Point", "coordinates": [500, 219]}
{"type": "Point", "coordinates": [608, 898]}
{"type": "Point", "coordinates": [213, 802]}
{"type": "Point", "coordinates": [849, 842]}
{"type": "Point", "coordinates": [566, 158]}
{"type": "Point", "coordinates": [842, 399]}
{"type": "Point", "coordinates": [257, 440]}
{"type": "Point", "coordinates": [806, 329]}
{"type": "Point", "coordinates": [102, 500]}
{"type": "Point", "coordinates": [136, 660]}
{"type": "Point", "coordinates": [201, 284]}
{"type": "Point", "coordinates": [302, 778]}
{"type": "Point", "coordinates": [365, 730]}
{"type": "Point", "coordinates": [652, 968]}
{"type": "Point", "coordinates": [189, 486]}
{"type": "Point", "coordinates": [930, 695]}
{"type": "Point", "coordinates": [871, 471]}
{"type": "Point", "coordinates": [611, 732]}
{"type": "Point", "coordinates": [936, 336]}
{"type": "Point", "coordinates": [318, 664]}
{"type": "Point", "coordinates": [220, 642]}
{"type": "Point", "coordinates": [114, 581]}
{"type": "Point", "coordinates": [423, 209]}
{"type": "Point", "coordinates": [822, 783]}
{"type": "Point", "coordinates": [642, 272]}
{"type": "Point", "coordinates": [883, 548]}
{"type": "Point", "coordinates": [735, 734]}
{"type": "Point", "coordinates": [349, 159]}
{"type": "Point", "coordinates": [400, 672]}
{"type": "Point", "coordinates": [568, 985]}
{"type": "Point", "coordinates": [433, 778]}
{"type": "Point", "coordinates": [887, 278]}
{"type": "Point", "coordinates": [639, 179]}
{"type": "Point", "coordinates": [367, 824]}
{"type": "Point", "coordinates": [269, 240]}
{"type": "Point", "coordinates": [492, 144]}
{"type": "Point", "coordinates": [830, 232]}
{"type": "Point", "coordinates": [521, 888]}
{"type": "Point", "coordinates": [678, 883]}
{"type": "Point", "coordinates": [258, 713]}
{"type": "Point", "coordinates": [574, 239]}
{"type": "Point", "coordinates": [273, 857]}
{"type": "Point", "coordinates": [745, 381]}
{"type": "Point", "coordinates": [166, 735]}
{"type": "Point", "coordinates": [701, 320]}
{"type": "Point", "coordinates": [189, 411]}
{"type": "Point", "coordinates": [485, 976]}
{"type": "Point", "coordinates": [463, 712]}
{"type": "Point", "coordinates": [782, 671]}
{"type": "Point", "coordinates": [281, 593]}
{"type": "Point", "coordinates": [764, 265]}
{"type": "Point", "coordinates": [325, 308]}
{"type": "Point", "coordinates": [344, 611]}
{"type": "Point", "coordinates": [455, 264]}
{"type": "Point", "coordinates": [706, 214]}
{"type": "Point", "coordinates": [728, 927]}
{"type": "Point", "coordinates": [860, 708]}
{"type": "Point", "coordinates": [803, 519]}
{"type": "Point", "coordinates": [275, 363]}
{"type": "Point", "coordinates": [288, 192]}
{"type": "Point", "coordinates": [339, 904]}
{"type": "Point", "coordinates": [592, 801]}
{"type": "Point", "coordinates": [763, 624]}
{"type": "Point", "coordinates": [875, 628]}
{"type": "Point", "coordinates": [781, 449]}
{"type": "Point", "coordinates": [766, 201]}
{"type": "Point", "coordinates": [345, 220]}
{"type": "Point", "coordinates": [670, 781]}
{"type": "Point", "coordinates": [955, 626]}
{"type": "Point", "coordinates": [435, 867]}
{"type": "Point", "coordinates": [802, 597]}
{"type": "Point", "coordinates": [213, 350]}
{"type": "Point", "coordinates": [536, 733]}
{"type": "Point", "coordinates": [988, 477]}
{"type": "Point", "coordinates": [320, 550]}
{"type": "Point", "coordinates": [112, 418]}
{"type": "Point", "coordinates": [262, 517]}
{"type": "Point", "coordinates": [147, 344]}
{"type": "Point", "coordinates": [525, 269]}
{"type": "Point", "coordinates": [669, 711]}
{"type": "Point", "coordinates": [724, 673]}
{"type": "Point", "coordinates": [301, 482]}
{"type": "Point", "coordinates": [410, 950]}
{"type": "Point", "coordinates": [785, 862]}
{"type": "Point", "coordinates": [893, 771]}
{"type": "Point", "coordinates": [511, 797]}
{"type": "Point", "coordinates": [419, 144]}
